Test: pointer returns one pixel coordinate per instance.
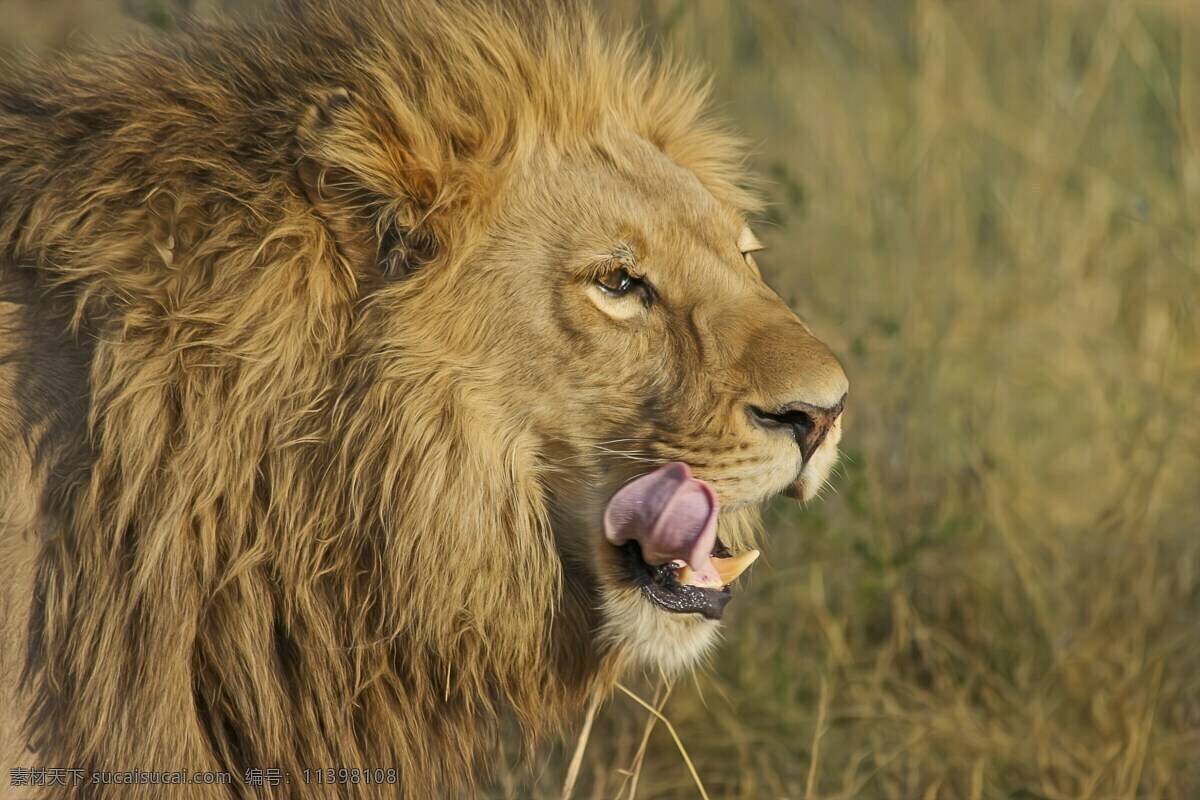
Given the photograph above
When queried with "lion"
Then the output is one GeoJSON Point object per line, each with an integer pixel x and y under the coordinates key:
{"type": "Point", "coordinates": [372, 376]}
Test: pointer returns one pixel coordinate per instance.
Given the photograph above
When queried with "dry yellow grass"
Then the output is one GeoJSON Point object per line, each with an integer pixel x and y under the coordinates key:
{"type": "Point", "coordinates": [989, 208]}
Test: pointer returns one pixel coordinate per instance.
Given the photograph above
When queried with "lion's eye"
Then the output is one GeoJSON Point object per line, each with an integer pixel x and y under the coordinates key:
{"type": "Point", "coordinates": [619, 283]}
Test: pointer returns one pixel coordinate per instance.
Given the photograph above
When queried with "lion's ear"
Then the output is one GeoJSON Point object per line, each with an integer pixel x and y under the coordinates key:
{"type": "Point", "coordinates": [353, 170]}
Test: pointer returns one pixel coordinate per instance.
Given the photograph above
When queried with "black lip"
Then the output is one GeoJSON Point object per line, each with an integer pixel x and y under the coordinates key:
{"type": "Point", "coordinates": [661, 587]}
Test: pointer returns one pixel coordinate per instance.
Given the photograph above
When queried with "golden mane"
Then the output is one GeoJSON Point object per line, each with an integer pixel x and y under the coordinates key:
{"type": "Point", "coordinates": [303, 530]}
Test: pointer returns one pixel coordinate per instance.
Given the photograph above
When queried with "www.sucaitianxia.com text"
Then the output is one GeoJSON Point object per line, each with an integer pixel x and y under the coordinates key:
{"type": "Point", "coordinates": [45, 777]}
{"type": "Point", "coordinates": [65, 776]}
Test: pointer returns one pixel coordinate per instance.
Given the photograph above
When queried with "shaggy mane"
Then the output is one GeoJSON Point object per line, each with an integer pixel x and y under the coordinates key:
{"type": "Point", "coordinates": [262, 559]}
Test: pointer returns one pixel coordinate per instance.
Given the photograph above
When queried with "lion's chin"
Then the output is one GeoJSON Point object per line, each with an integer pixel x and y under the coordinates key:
{"type": "Point", "coordinates": [652, 637]}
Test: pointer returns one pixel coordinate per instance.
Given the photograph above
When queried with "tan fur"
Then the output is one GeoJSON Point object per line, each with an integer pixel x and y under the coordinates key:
{"type": "Point", "coordinates": [310, 405]}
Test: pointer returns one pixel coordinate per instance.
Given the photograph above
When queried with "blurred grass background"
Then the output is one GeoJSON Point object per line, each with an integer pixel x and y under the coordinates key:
{"type": "Point", "coordinates": [989, 209]}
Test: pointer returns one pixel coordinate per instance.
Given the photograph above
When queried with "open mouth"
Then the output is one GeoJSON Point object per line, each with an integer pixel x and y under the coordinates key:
{"type": "Point", "coordinates": [664, 525]}
{"type": "Point", "coordinates": [665, 584]}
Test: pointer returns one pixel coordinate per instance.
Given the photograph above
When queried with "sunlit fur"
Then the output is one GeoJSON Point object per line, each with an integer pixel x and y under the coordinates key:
{"type": "Point", "coordinates": [293, 506]}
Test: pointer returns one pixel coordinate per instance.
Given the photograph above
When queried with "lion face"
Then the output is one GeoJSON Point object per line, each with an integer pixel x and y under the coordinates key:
{"type": "Point", "coordinates": [597, 302]}
{"type": "Point", "coordinates": [671, 390]}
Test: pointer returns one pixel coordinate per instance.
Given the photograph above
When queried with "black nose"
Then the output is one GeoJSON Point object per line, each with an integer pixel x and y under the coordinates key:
{"type": "Point", "coordinates": [807, 424]}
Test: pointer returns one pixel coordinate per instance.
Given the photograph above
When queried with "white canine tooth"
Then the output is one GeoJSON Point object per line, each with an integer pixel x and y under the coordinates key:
{"type": "Point", "coordinates": [687, 576]}
{"type": "Point", "coordinates": [730, 568]}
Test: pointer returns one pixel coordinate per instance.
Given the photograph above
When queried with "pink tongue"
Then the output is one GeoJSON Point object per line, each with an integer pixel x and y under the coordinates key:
{"type": "Point", "coordinates": [670, 514]}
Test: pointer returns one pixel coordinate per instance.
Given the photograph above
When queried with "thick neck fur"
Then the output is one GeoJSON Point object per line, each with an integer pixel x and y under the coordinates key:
{"type": "Point", "coordinates": [298, 572]}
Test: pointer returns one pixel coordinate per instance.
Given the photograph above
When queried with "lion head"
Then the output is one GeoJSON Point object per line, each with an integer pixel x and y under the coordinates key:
{"type": "Point", "coordinates": [672, 391]}
{"type": "Point", "coordinates": [429, 372]}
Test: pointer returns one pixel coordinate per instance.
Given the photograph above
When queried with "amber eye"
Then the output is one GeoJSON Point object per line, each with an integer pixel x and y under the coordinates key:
{"type": "Point", "coordinates": [620, 283]}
